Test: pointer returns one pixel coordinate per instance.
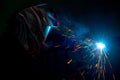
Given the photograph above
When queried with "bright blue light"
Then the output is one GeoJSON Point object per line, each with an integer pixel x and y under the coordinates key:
{"type": "Point", "coordinates": [48, 28]}
{"type": "Point", "coordinates": [100, 46]}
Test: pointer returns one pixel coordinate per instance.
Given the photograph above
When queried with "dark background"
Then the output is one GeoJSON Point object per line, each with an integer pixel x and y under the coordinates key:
{"type": "Point", "coordinates": [101, 17]}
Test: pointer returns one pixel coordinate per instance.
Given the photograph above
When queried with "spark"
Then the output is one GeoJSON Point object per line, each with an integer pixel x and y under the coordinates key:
{"type": "Point", "coordinates": [94, 64]}
{"type": "Point", "coordinates": [69, 61]}
{"type": "Point", "coordinates": [57, 46]}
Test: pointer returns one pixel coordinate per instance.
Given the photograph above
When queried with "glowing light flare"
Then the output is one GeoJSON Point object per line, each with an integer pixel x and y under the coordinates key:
{"type": "Point", "coordinates": [100, 46]}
